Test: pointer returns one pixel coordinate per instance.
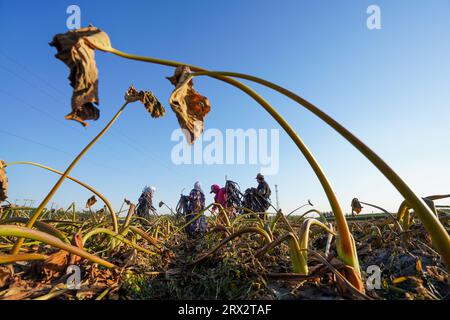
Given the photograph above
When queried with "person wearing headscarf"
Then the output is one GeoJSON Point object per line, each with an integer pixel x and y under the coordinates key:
{"type": "Point", "coordinates": [145, 203]}
{"type": "Point", "coordinates": [220, 197]}
{"type": "Point", "coordinates": [196, 206]}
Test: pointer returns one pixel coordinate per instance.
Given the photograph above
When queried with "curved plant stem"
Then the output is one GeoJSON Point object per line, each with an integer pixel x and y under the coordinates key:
{"type": "Point", "coordinates": [387, 212]}
{"type": "Point", "coordinates": [10, 258]}
{"type": "Point", "coordinates": [23, 232]}
{"type": "Point", "coordinates": [304, 233]}
{"type": "Point", "coordinates": [306, 204]}
{"type": "Point", "coordinates": [345, 248]}
{"type": "Point", "coordinates": [52, 294]}
{"type": "Point", "coordinates": [144, 235]}
{"type": "Point", "coordinates": [345, 245]}
{"type": "Point", "coordinates": [64, 176]}
{"type": "Point", "coordinates": [358, 291]}
{"type": "Point", "coordinates": [131, 211]}
{"type": "Point", "coordinates": [238, 233]}
{"type": "Point", "coordinates": [42, 226]}
{"type": "Point", "coordinates": [195, 218]}
{"type": "Point", "coordinates": [299, 263]}
{"type": "Point", "coordinates": [116, 236]}
{"type": "Point", "coordinates": [441, 238]}
{"type": "Point", "coordinates": [249, 212]}
{"type": "Point", "coordinates": [405, 206]}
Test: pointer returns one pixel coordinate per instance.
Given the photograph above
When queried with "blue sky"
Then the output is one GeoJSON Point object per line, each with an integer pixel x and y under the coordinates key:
{"type": "Point", "coordinates": [390, 87]}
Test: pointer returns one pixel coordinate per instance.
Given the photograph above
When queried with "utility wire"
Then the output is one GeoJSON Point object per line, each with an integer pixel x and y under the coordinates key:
{"type": "Point", "coordinates": [122, 136]}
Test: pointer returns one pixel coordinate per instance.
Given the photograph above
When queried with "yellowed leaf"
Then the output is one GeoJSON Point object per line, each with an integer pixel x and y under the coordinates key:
{"type": "Point", "coordinates": [148, 99]}
{"type": "Point", "coordinates": [91, 201]}
{"type": "Point", "coordinates": [76, 49]}
{"type": "Point", "coordinates": [189, 106]}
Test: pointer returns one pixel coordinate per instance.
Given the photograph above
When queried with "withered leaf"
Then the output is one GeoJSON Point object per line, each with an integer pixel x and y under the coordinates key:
{"type": "Point", "coordinates": [189, 106]}
{"type": "Point", "coordinates": [76, 50]}
{"type": "Point", "coordinates": [3, 182]}
{"type": "Point", "coordinates": [55, 265]}
{"type": "Point", "coordinates": [91, 201]}
{"type": "Point", "coordinates": [5, 276]}
{"type": "Point", "coordinates": [148, 99]}
{"type": "Point", "coordinates": [78, 242]}
{"type": "Point", "coordinates": [356, 205]}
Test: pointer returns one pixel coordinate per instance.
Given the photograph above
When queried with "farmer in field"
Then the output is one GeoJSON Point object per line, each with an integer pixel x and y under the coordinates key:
{"type": "Point", "coordinates": [145, 203]}
{"type": "Point", "coordinates": [220, 197]}
{"type": "Point", "coordinates": [263, 187]}
{"type": "Point", "coordinates": [264, 191]}
{"type": "Point", "coordinates": [195, 214]}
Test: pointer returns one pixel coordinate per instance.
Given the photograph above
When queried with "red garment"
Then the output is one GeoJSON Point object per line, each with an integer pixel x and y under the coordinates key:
{"type": "Point", "coordinates": [221, 198]}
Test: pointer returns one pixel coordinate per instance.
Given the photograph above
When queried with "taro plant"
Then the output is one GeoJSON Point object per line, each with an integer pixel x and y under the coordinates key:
{"type": "Point", "coordinates": [77, 48]}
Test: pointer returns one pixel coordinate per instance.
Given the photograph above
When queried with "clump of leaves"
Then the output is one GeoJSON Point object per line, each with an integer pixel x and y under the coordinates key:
{"type": "Point", "coordinates": [76, 49]}
{"type": "Point", "coordinates": [148, 99]}
{"type": "Point", "coordinates": [91, 201]}
{"type": "Point", "coordinates": [356, 206]}
{"type": "Point", "coordinates": [189, 106]}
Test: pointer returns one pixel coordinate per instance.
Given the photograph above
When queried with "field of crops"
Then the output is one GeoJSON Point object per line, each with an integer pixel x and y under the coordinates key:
{"type": "Point", "coordinates": [241, 259]}
{"type": "Point", "coordinates": [245, 253]}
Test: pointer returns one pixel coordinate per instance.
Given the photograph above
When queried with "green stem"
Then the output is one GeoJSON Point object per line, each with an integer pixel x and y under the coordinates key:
{"type": "Point", "coordinates": [346, 250]}
{"type": "Point", "coordinates": [22, 232]}
{"type": "Point", "coordinates": [239, 233]}
{"type": "Point", "coordinates": [441, 238]}
{"type": "Point", "coordinates": [46, 200]}
{"type": "Point", "coordinates": [102, 197]}
{"type": "Point", "coordinates": [299, 263]}
{"type": "Point", "coordinates": [42, 226]}
{"type": "Point", "coordinates": [10, 258]}
{"type": "Point", "coordinates": [304, 233]}
{"type": "Point", "coordinates": [386, 212]}
{"type": "Point", "coordinates": [116, 236]}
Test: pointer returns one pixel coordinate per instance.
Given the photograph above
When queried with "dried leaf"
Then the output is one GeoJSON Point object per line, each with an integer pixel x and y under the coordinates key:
{"type": "Point", "coordinates": [3, 182]}
{"type": "Point", "coordinates": [91, 201]}
{"type": "Point", "coordinates": [78, 242]}
{"type": "Point", "coordinates": [76, 50]}
{"type": "Point", "coordinates": [189, 106]}
{"type": "Point", "coordinates": [5, 276]}
{"type": "Point", "coordinates": [356, 205]}
{"type": "Point", "coordinates": [55, 265]}
{"type": "Point", "coordinates": [148, 99]}
{"type": "Point", "coordinates": [349, 273]}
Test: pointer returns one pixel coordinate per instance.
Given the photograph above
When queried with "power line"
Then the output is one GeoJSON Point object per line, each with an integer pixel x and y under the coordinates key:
{"type": "Point", "coordinates": [32, 85]}
{"type": "Point", "coordinates": [60, 150]}
{"type": "Point", "coordinates": [48, 83]}
{"type": "Point", "coordinates": [34, 142]}
{"type": "Point", "coordinates": [139, 149]}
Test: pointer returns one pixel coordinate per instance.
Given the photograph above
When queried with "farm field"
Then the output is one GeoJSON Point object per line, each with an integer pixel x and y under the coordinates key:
{"type": "Point", "coordinates": [154, 259]}
{"type": "Point", "coordinates": [218, 123]}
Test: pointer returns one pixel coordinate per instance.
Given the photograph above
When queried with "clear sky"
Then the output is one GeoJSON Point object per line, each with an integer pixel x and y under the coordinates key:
{"type": "Point", "coordinates": [391, 87]}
